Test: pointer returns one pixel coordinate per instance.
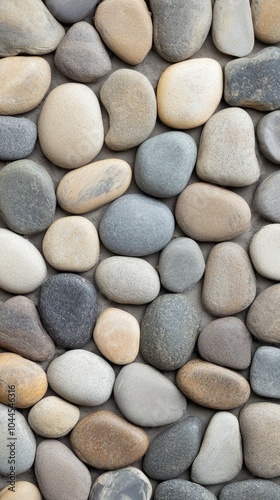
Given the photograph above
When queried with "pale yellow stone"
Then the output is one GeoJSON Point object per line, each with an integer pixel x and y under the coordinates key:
{"type": "Point", "coordinates": [23, 490]}
{"type": "Point", "coordinates": [52, 417]}
{"type": "Point", "coordinates": [266, 20]}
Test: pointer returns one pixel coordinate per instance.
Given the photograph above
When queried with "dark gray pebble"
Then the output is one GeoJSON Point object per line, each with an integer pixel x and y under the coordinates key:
{"type": "Point", "coordinates": [180, 489]}
{"type": "Point", "coordinates": [265, 372]}
{"type": "Point", "coordinates": [17, 138]}
{"type": "Point", "coordinates": [128, 484]}
{"type": "Point", "coordinates": [267, 197]}
{"type": "Point", "coordinates": [268, 134]}
{"type": "Point", "coordinates": [70, 11]}
{"type": "Point", "coordinates": [251, 489]}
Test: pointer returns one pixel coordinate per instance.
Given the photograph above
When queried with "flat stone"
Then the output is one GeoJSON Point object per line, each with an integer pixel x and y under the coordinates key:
{"type": "Point", "coordinates": [52, 417]}
{"type": "Point", "coordinates": [23, 268]}
{"type": "Point", "coordinates": [24, 447]}
{"type": "Point", "coordinates": [127, 280]}
{"type": "Point", "coordinates": [268, 134]}
{"type": "Point", "coordinates": [117, 335]}
{"type": "Point", "coordinates": [189, 92]}
{"type": "Point", "coordinates": [265, 372]}
{"type": "Point", "coordinates": [266, 19]}
{"type": "Point", "coordinates": [81, 377]}
{"type": "Point", "coordinates": [32, 187]}
{"type": "Point", "coordinates": [23, 490]}
{"type": "Point", "coordinates": [264, 316]}
{"type": "Point", "coordinates": [128, 482]}
{"type": "Point", "coordinates": [169, 330]}
{"type": "Point", "coordinates": [60, 474]}
{"type": "Point", "coordinates": [70, 126]}
{"type": "Point", "coordinates": [106, 441]}
{"type": "Point", "coordinates": [126, 28]}
{"type": "Point", "coordinates": [146, 397]}
{"type": "Point", "coordinates": [24, 82]}
{"type": "Point", "coordinates": [259, 423]}
{"type": "Point", "coordinates": [226, 342]}
{"type": "Point", "coordinates": [132, 119]}
{"type": "Point", "coordinates": [250, 489]}
{"type": "Point", "coordinates": [136, 225]}
{"type": "Point", "coordinates": [212, 386]}
{"type": "Point", "coordinates": [182, 489]}
{"type": "Point", "coordinates": [28, 27]}
{"type": "Point", "coordinates": [181, 265]}
{"type": "Point", "coordinates": [229, 283]}
{"type": "Point", "coordinates": [21, 330]}
{"type": "Point", "coordinates": [265, 250]}
{"type": "Point", "coordinates": [72, 11]}
{"type": "Point", "coordinates": [68, 309]}
{"type": "Point", "coordinates": [266, 199]}
{"type": "Point", "coordinates": [71, 244]}
{"type": "Point", "coordinates": [81, 55]}
{"type": "Point", "coordinates": [17, 138]}
{"type": "Point", "coordinates": [232, 27]}
{"type": "Point", "coordinates": [226, 154]}
{"type": "Point", "coordinates": [164, 164]}
{"type": "Point", "coordinates": [180, 28]}
{"type": "Point", "coordinates": [173, 450]}
{"type": "Point", "coordinates": [244, 80]}
{"type": "Point", "coordinates": [206, 212]}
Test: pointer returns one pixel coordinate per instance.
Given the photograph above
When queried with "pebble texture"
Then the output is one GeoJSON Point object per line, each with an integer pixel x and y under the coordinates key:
{"type": "Point", "coordinates": [52, 417]}
{"type": "Point", "coordinates": [17, 138]}
{"type": "Point", "coordinates": [128, 483]}
{"type": "Point", "coordinates": [268, 134]}
{"type": "Point", "coordinates": [265, 251]}
{"type": "Point", "coordinates": [23, 491]}
{"type": "Point", "coordinates": [265, 372]}
{"type": "Point", "coordinates": [266, 199]}
{"type": "Point", "coordinates": [71, 11]}
{"type": "Point", "coordinates": [250, 489]}
{"type": "Point", "coordinates": [263, 316]}
{"type": "Point", "coordinates": [266, 19]}
{"type": "Point", "coordinates": [181, 489]}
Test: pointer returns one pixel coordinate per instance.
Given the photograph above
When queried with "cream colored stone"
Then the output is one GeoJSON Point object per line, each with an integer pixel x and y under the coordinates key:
{"type": "Point", "coordinates": [265, 251]}
{"type": "Point", "coordinates": [189, 92]}
{"type": "Point", "coordinates": [52, 417]}
{"type": "Point", "coordinates": [266, 20]}
{"type": "Point", "coordinates": [23, 490]}
{"type": "Point", "coordinates": [117, 335]}
{"type": "Point", "coordinates": [24, 82]}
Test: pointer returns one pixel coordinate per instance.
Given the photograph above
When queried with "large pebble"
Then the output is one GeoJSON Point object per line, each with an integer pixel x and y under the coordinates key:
{"type": "Point", "coordinates": [265, 250]}
{"type": "Point", "coordinates": [20, 451]}
{"type": "Point", "coordinates": [81, 377]}
{"type": "Point", "coordinates": [210, 213]}
{"type": "Point", "coordinates": [71, 11]}
{"type": "Point", "coordinates": [266, 199]}
{"type": "Point", "coordinates": [81, 54]}
{"type": "Point", "coordinates": [146, 397]}
{"type": "Point", "coordinates": [60, 474]}
{"type": "Point", "coordinates": [136, 225]}
{"type": "Point", "coordinates": [106, 441]}
{"type": "Point", "coordinates": [70, 126]}
{"type": "Point", "coordinates": [24, 82]}
{"type": "Point", "coordinates": [23, 490]}
{"type": "Point", "coordinates": [263, 317]}
{"type": "Point", "coordinates": [250, 489]}
{"type": "Point", "coordinates": [52, 417]}
{"type": "Point", "coordinates": [28, 27]}
{"type": "Point", "coordinates": [23, 268]}
{"type": "Point", "coordinates": [229, 282]}
{"type": "Point", "coordinates": [265, 372]}
{"type": "Point", "coordinates": [212, 386]}
{"type": "Point", "coordinates": [127, 280]}
{"type": "Point", "coordinates": [268, 134]}
{"type": "Point", "coordinates": [244, 80]}
{"type": "Point", "coordinates": [131, 119]}
{"type": "Point", "coordinates": [68, 309]}
{"type": "Point", "coordinates": [164, 164]}
{"type": "Point", "coordinates": [220, 456]}
{"type": "Point", "coordinates": [71, 244]}
{"type": "Point", "coordinates": [226, 154]}
{"type": "Point", "coordinates": [169, 330]}
{"type": "Point", "coordinates": [266, 19]}
{"type": "Point", "coordinates": [189, 92]}
{"type": "Point", "coordinates": [182, 489]}
{"type": "Point", "coordinates": [259, 423]}
{"type": "Point", "coordinates": [32, 187]}
{"type": "Point", "coordinates": [180, 28]}
{"type": "Point", "coordinates": [17, 137]}
{"type": "Point", "coordinates": [174, 449]}
{"type": "Point", "coordinates": [129, 483]}
{"type": "Point", "coordinates": [126, 28]}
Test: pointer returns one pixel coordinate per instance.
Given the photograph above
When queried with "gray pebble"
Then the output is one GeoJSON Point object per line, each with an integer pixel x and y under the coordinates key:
{"type": "Point", "coordinates": [70, 11]}
{"type": "Point", "coordinates": [268, 134]}
{"type": "Point", "coordinates": [181, 490]}
{"type": "Point", "coordinates": [251, 489]}
{"type": "Point", "coordinates": [267, 197]}
{"type": "Point", "coordinates": [265, 372]}
{"type": "Point", "coordinates": [17, 137]}
{"type": "Point", "coordinates": [128, 483]}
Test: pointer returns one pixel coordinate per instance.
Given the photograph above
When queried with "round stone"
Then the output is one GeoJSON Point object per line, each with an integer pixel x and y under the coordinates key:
{"type": "Point", "coordinates": [52, 417]}
{"type": "Point", "coordinates": [72, 11]}
{"type": "Point", "coordinates": [268, 134]}
{"type": "Point", "coordinates": [23, 490]}
{"type": "Point", "coordinates": [265, 372]}
{"type": "Point", "coordinates": [182, 489]}
{"type": "Point", "coordinates": [263, 317]}
{"type": "Point", "coordinates": [128, 482]}
{"type": "Point", "coordinates": [266, 19]}
{"type": "Point", "coordinates": [17, 138]}
{"type": "Point", "coordinates": [250, 489]}
{"type": "Point", "coordinates": [265, 251]}
{"type": "Point", "coordinates": [266, 199]}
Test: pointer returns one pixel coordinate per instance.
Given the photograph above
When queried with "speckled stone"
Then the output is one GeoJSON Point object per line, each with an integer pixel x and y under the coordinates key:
{"type": "Point", "coordinates": [263, 317]}
{"type": "Point", "coordinates": [169, 330]}
{"type": "Point", "coordinates": [265, 250]}
{"type": "Point", "coordinates": [131, 119]}
{"type": "Point", "coordinates": [129, 483]}
{"type": "Point", "coordinates": [266, 19]}
{"type": "Point", "coordinates": [71, 11]}
{"type": "Point", "coordinates": [17, 137]}
{"type": "Point", "coordinates": [182, 489]}
{"type": "Point", "coordinates": [136, 225]}
{"type": "Point", "coordinates": [244, 80]}
{"type": "Point", "coordinates": [23, 490]}
{"type": "Point", "coordinates": [265, 372]}
{"type": "Point", "coordinates": [180, 28]}
{"type": "Point", "coordinates": [266, 199]}
{"type": "Point", "coordinates": [81, 55]}
{"type": "Point", "coordinates": [250, 489]}
{"type": "Point", "coordinates": [164, 164]}
{"type": "Point", "coordinates": [52, 417]}
{"type": "Point", "coordinates": [68, 309]}
{"type": "Point", "coordinates": [106, 441]}
{"type": "Point", "coordinates": [173, 450]}
{"type": "Point", "coordinates": [146, 397]}
{"type": "Point", "coordinates": [268, 134]}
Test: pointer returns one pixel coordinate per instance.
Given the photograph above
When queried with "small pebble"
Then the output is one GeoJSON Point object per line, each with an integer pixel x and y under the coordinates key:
{"type": "Point", "coordinates": [17, 138]}
{"type": "Point", "coordinates": [250, 489]}
{"type": "Point", "coordinates": [267, 199]}
{"type": "Point", "coordinates": [182, 489]}
{"type": "Point", "coordinates": [263, 317]}
{"type": "Point", "coordinates": [23, 490]}
{"type": "Point", "coordinates": [265, 372]}
{"type": "Point", "coordinates": [265, 251]}
{"type": "Point", "coordinates": [52, 417]}
{"type": "Point", "coordinates": [266, 19]}
{"type": "Point", "coordinates": [129, 483]}
{"type": "Point", "coordinates": [71, 11]}
{"type": "Point", "coordinates": [268, 134]}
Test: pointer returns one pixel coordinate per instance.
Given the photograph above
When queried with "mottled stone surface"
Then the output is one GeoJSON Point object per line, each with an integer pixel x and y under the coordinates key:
{"type": "Point", "coordinates": [266, 19]}
{"type": "Point", "coordinates": [250, 489]}
{"type": "Point", "coordinates": [263, 317]}
{"type": "Point", "coordinates": [17, 137]}
{"type": "Point", "coordinates": [265, 250]}
{"type": "Point", "coordinates": [266, 199]}
{"type": "Point", "coordinates": [181, 489]}
{"type": "Point", "coordinates": [23, 490]}
{"type": "Point", "coordinates": [52, 417]}
{"type": "Point", "coordinates": [268, 134]}
{"type": "Point", "coordinates": [129, 482]}
{"type": "Point", "coordinates": [71, 11]}
{"type": "Point", "coordinates": [265, 372]}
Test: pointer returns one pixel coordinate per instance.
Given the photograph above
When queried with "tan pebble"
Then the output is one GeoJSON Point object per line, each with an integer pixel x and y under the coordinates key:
{"type": "Point", "coordinates": [71, 244]}
{"type": "Point", "coordinates": [263, 318]}
{"type": "Point", "coordinates": [266, 20]}
{"type": "Point", "coordinates": [212, 386]}
{"type": "Point", "coordinates": [265, 251]}
{"type": "Point", "coordinates": [52, 417]}
{"type": "Point", "coordinates": [117, 335]}
{"type": "Point", "coordinates": [23, 490]}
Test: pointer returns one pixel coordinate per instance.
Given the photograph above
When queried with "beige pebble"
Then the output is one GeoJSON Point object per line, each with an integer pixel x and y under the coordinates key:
{"type": "Point", "coordinates": [266, 20]}
{"type": "Point", "coordinates": [88, 188]}
{"type": "Point", "coordinates": [71, 244]}
{"type": "Point", "coordinates": [263, 318]}
{"type": "Point", "coordinates": [52, 417]}
{"type": "Point", "coordinates": [117, 335]}
{"type": "Point", "coordinates": [265, 251]}
{"type": "Point", "coordinates": [24, 82]}
{"type": "Point", "coordinates": [23, 490]}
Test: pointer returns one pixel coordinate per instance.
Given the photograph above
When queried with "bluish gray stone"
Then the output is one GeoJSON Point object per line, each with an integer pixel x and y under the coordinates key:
{"type": "Point", "coordinates": [27, 197]}
{"type": "Point", "coordinates": [174, 449]}
{"type": "Point", "coordinates": [128, 483]}
{"type": "Point", "coordinates": [68, 309]}
{"type": "Point", "coordinates": [268, 134]}
{"type": "Point", "coordinates": [265, 372]}
{"type": "Point", "coordinates": [136, 225]}
{"type": "Point", "coordinates": [70, 11]}
{"type": "Point", "coordinates": [169, 330]}
{"type": "Point", "coordinates": [17, 137]}
{"type": "Point", "coordinates": [164, 164]}
{"type": "Point", "coordinates": [180, 489]}
{"type": "Point", "coordinates": [267, 197]}
{"type": "Point", "coordinates": [251, 489]}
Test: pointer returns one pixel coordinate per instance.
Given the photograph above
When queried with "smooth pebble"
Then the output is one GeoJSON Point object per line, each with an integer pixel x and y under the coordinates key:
{"type": "Point", "coordinates": [265, 372]}
{"type": "Point", "coordinates": [263, 317]}
{"type": "Point", "coordinates": [266, 20]}
{"type": "Point", "coordinates": [266, 199]}
{"type": "Point", "coordinates": [129, 482]}
{"type": "Point", "coordinates": [52, 417]}
{"type": "Point", "coordinates": [265, 251]}
{"type": "Point", "coordinates": [182, 489]}
{"type": "Point", "coordinates": [23, 490]}
{"type": "Point", "coordinates": [17, 138]}
{"type": "Point", "coordinates": [250, 489]}
{"type": "Point", "coordinates": [71, 11]}
{"type": "Point", "coordinates": [268, 134]}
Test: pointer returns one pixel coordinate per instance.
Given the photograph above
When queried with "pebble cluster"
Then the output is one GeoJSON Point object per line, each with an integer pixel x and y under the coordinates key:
{"type": "Point", "coordinates": [139, 249]}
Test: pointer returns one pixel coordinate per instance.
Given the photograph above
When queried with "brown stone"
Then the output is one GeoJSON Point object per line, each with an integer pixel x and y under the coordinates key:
{"type": "Point", "coordinates": [266, 20]}
{"type": "Point", "coordinates": [263, 318]}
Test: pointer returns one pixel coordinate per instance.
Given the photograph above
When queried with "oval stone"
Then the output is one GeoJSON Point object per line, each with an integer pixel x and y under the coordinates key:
{"type": "Point", "coordinates": [265, 372]}
{"type": "Point", "coordinates": [266, 199]}
{"type": "Point", "coordinates": [136, 225]}
{"type": "Point", "coordinates": [127, 280]}
{"type": "Point", "coordinates": [52, 417]}
{"type": "Point", "coordinates": [70, 126]}
{"type": "Point", "coordinates": [17, 138]}
{"type": "Point", "coordinates": [127, 483]}
{"type": "Point", "coordinates": [72, 11]}
{"type": "Point", "coordinates": [265, 250]}
{"type": "Point", "coordinates": [263, 318]}
{"type": "Point", "coordinates": [268, 134]}
{"type": "Point", "coordinates": [23, 491]}
{"type": "Point", "coordinates": [250, 489]}
{"type": "Point", "coordinates": [106, 441]}
{"type": "Point", "coordinates": [182, 489]}
{"type": "Point", "coordinates": [212, 386]}
{"type": "Point", "coordinates": [266, 19]}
